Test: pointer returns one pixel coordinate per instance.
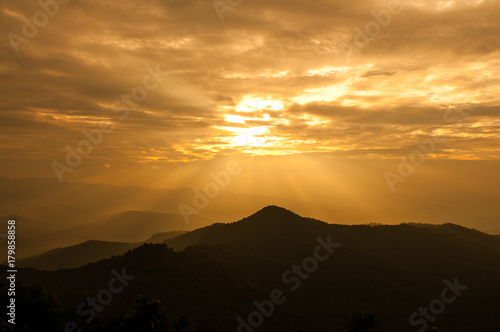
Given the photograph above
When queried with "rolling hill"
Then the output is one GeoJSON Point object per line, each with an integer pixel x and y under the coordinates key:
{"type": "Point", "coordinates": [136, 226]}
{"type": "Point", "coordinates": [85, 253]}
{"type": "Point", "coordinates": [221, 271]}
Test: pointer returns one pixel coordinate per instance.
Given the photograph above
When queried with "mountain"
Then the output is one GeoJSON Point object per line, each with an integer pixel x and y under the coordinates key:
{"type": "Point", "coordinates": [35, 237]}
{"type": "Point", "coordinates": [85, 253]}
{"type": "Point", "coordinates": [77, 255]}
{"type": "Point", "coordinates": [323, 272]}
{"type": "Point", "coordinates": [68, 204]}
{"type": "Point", "coordinates": [68, 213]}
{"type": "Point", "coordinates": [259, 229]}
{"type": "Point", "coordinates": [136, 226]}
{"type": "Point", "coordinates": [161, 237]}
{"type": "Point", "coordinates": [30, 235]}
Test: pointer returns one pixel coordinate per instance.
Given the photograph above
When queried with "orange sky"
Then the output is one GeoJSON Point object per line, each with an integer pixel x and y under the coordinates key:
{"type": "Point", "coordinates": [274, 78]}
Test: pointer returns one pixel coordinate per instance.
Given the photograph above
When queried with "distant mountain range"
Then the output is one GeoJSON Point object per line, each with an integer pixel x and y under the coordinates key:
{"type": "Point", "coordinates": [52, 215]}
{"type": "Point", "coordinates": [34, 238]}
{"type": "Point", "coordinates": [219, 271]}
{"type": "Point", "coordinates": [87, 252]}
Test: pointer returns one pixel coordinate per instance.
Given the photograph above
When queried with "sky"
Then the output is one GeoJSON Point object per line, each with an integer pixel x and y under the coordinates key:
{"type": "Point", "coordinates": [175, 88]}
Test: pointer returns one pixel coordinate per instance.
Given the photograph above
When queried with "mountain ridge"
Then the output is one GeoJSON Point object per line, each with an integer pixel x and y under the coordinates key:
{"type": "Point", "coordinates": [387, 270]}
{"type": "Point", "coordinates": [255, 228]}
{"type": "Point", "coordinates": [86, 252]}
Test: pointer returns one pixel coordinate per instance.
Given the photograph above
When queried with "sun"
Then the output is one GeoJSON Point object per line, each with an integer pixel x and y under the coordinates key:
{"type": "Point", "coordinates": [246, 137]}
{"type": "Point", "coordinates": [253, 103]}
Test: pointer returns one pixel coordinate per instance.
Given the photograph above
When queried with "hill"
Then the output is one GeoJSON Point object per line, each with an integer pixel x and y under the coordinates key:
{"type": "Point", "coordinates": [68, 213]}
{"type": "Point", "coordinates": [226, 271]}
{"type": "Point", "coordinates": [85, 253]}
{"type": "Point", "coordinates": [136, 226]}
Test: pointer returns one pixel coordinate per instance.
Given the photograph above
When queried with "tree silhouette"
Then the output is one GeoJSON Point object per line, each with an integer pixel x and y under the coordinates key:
{"type": "Point", "coordinates": [147, 317]}
{"type": "Point", "coordinates": [35, 310]}
{"type": "Point", "coordinates": [5, 327]}
{"type": "Point", "coordinates": [180, 323]}
{"type": "Point", "coordinates": [361, 322]}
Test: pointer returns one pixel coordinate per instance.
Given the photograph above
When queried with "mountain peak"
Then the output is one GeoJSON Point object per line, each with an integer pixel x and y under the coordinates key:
{"type": "Point", "coordinates": [275, 211]}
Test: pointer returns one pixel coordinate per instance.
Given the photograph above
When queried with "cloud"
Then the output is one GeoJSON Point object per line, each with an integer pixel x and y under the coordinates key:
{"type": "Point", "coordinates": [288, 54]}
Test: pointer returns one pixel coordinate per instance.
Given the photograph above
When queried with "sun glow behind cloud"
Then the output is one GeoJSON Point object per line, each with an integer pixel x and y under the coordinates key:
{"type": "Point", "coordinates": [272, 81]}
{"type": "Point", "coordinates": [442, 5]}
{"type": "Point", "coordinates": [256, 84]}
{"type": "Point", "coordinates": [252, 103]}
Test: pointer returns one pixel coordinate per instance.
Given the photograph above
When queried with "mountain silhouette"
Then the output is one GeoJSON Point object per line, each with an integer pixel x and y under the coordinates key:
{"type": "Point", "coordinates": [87, 252]}
{"type": "Point", "coordinates": [219, 271]}
{"type": "Point", "coordinates": [275, 212]}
